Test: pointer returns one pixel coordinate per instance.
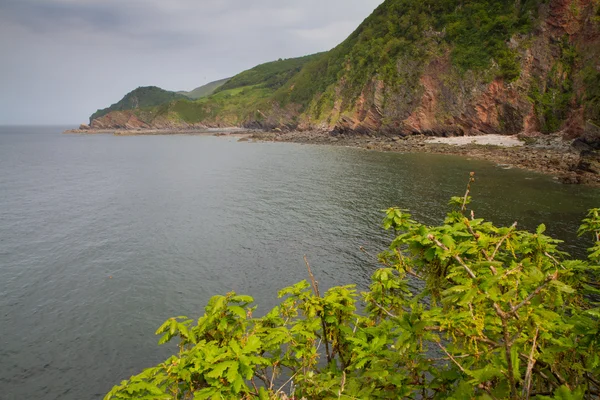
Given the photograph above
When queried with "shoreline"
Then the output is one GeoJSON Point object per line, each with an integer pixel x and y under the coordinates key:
{"type": "Point", "coordinates": [548, 154]}
{"type": "Point", "coordinates": [545, 154]}
{"type": "Point", "coordinates": [230, 131]}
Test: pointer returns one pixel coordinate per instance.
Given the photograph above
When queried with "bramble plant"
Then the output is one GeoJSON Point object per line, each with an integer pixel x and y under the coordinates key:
{"type": "Point", "coordinates": [501, 313]}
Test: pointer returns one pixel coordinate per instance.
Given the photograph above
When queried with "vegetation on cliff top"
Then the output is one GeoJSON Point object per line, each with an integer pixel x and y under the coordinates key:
{"type": "Point", "coordinates": [240, 99]}
{"type": "Point", "coordinates": [476, 32]}
{"type": "Point", "coordinates": [463, 310]}
{"type": "Point", "coordinates": [204, 90]}
{"type": "Point", "coordinates": [146, 96]}
{"type": "Point", "coordinates": [271, 75]}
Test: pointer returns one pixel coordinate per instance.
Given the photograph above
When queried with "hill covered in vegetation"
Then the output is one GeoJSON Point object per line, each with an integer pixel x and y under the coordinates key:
{"type": "Point", "coordinates": [146, 96]}
{"type": "Point", "coordinates": [434, 67]}
{"type": "Point", "coordinates": [204, 90]}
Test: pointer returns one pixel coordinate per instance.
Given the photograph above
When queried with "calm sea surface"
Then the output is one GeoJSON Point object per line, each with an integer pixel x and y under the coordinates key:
{"type": "Point", "coordinates": [102, 238]}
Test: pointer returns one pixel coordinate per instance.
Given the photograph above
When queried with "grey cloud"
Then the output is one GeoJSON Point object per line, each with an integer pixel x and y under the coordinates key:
{"type": "Point", "coordinates": [86, 54]}
{"type": "Point", "coordinates": [50, 16]}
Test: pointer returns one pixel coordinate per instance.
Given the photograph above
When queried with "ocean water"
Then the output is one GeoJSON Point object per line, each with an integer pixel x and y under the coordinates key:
{"type": "Point", "coordinates": [102, 238]}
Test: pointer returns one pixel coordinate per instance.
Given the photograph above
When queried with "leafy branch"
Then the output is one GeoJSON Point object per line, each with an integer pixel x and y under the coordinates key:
{"type": "Point", "coordinates": [512, 316]}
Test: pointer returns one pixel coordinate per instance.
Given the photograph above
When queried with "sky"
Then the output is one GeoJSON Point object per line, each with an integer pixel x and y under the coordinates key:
{"type": "Point", "coordinates": [64, 59]}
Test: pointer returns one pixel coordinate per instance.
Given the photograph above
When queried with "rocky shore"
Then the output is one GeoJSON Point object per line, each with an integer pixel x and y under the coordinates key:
{"type": "Point", "coordinates": [568, 161]}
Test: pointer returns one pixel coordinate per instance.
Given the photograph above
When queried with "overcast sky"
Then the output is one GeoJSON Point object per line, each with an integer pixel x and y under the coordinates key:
{"type": "Point", "coordinates": [63, 59]}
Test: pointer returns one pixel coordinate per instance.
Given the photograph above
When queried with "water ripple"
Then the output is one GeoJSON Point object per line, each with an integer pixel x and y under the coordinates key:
{"type": "Point", "coordinates": [102, 237]}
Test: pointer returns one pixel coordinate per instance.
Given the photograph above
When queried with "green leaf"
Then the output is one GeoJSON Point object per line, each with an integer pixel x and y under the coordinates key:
{"type": "Point", "coordinates": [514, 357]}
{"type": "Point", "coordinates": [562, 286]}
{"type": "Point", "coordinates": [237, 310]}
{"type": "Point", "coordinates": [485, 374]}
{"type": "Point", "coordinates": [253, 344]}
{"type": "Point", "coordinates": [165, 338]}
{"type": "Point", "coordinates": [218, 370]}
{"type": "Point", "coordinates": [163, 327]}
{"type": "Point", "coordinates": [263, 394]}
{"type": "Point", "coordinates": [540, 229]}
{"type": "Point", "coordinates": [232, 371]}
{"type": "Point", "coordinates": [242, 299]}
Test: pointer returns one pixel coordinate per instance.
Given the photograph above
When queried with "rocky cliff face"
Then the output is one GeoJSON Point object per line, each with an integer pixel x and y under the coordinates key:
{"type": "Point", "coordinates": [540, 77]}
{"type": "Point", "coordinates": [550, 94]}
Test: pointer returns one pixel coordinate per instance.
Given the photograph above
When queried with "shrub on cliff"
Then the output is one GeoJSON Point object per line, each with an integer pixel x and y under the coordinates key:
{"type": "Point", "coordinates": [463, 310]}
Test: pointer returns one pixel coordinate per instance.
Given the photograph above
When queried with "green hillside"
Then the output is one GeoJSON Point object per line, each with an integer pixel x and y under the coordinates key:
{"type": "Point", "coordinates": [204, 90]}
{"type": "Point", "coordinates": [429, 66]}
{"type": "Point", "coordinates": [239, 100]}
{"type": "Point", "coordinates": [146, 96]}
{"type": "Point", "coordinates": [271, 75]}
{"type": "Point", "coordinates": [476, 32]}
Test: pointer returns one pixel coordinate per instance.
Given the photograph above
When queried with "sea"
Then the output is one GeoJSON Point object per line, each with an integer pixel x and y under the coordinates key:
{"type": "Point", "coordinates": [103, 237]}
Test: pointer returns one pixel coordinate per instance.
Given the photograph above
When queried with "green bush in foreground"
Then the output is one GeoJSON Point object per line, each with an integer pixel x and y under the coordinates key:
{"type": "Point", "coordinates": [500, 313]}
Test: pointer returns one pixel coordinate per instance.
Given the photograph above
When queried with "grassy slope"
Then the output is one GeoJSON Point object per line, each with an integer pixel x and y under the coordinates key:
{"type": "Point", "coordinates": [205, 90]}
{"type": "Point", "coordinates": [271, 75]}
{"type": "Point", "coordinates": [147, 96]}
{"type": "Point", "coordinates": [239, 100]}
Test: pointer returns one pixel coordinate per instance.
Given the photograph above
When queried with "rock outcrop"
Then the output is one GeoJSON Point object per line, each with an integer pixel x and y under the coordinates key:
{"type": "Point", "coordinates": [446, 102]}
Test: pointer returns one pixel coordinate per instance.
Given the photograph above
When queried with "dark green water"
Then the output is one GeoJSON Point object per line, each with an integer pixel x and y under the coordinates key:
{"type": "Point", "coordinates": [176, 219]}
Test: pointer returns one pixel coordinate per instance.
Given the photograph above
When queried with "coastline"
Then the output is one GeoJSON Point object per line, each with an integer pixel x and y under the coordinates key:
{"type": "Point", "coordinates": [229, 131]}
{"type": "Point", "coordinates": [548, 154]}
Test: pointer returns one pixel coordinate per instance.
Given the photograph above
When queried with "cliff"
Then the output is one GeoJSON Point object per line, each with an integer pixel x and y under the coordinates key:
{"type": "Point", "coordinates": [430, 67]}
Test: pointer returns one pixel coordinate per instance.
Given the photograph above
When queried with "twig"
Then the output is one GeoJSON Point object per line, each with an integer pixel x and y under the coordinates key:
{"type": "Point", "coordinates": [527, 386]}
{"type": "Point", "coordinates": [537, 367]}
{"type": "Point", "coordinates": [342, 385]}
{"type": "Point", "coordinates": [535, 292]}
{"type": "Point", "coordinates": [254, 385]}
{"type": "Point", "coordinates": [461, 356]}
{"type": "Point", "coordinates": [512, 271]}
{"type": "Point", "coordinates": [456, 256]}
{"type": "Point", "coordinates": [384, 310]}
{"type": "Point", "coordinates": [557, 375]}
{"type": "Point", "coordinates": [314, 283]}
{"type": "Point", "coordinates": [315, 286]}
{"type": "Point", "coordinates": [477, 236]}
{"type": "Point", "coordinates": [553, 259]}
{"type": "Point", "coordinates": [471, 180]}
{"type": "Point", "coordinates": [512, 227]}
{"type": "Point", "coordinates": [507, 350]}
{"type": "Point", "coordinates": [591, 378]}
{"type": "Point", "coordinates": [452, 358]}
{"type": "Point", "coordinates": [286, 382]}
{"type": "Point", "coordinates": [273, 376]}
{"type": "Point", "coordinates": [488, 391]}
{"type": "Point", "coordinates": [262, 377]}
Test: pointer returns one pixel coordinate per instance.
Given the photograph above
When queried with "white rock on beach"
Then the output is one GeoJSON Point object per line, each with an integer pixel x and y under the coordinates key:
{"type": "Point", "coordinates": [496, 140]}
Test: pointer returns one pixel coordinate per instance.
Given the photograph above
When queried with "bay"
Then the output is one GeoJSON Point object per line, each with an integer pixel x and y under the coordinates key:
{"type": "Point", "coordinates": [102, 238]}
